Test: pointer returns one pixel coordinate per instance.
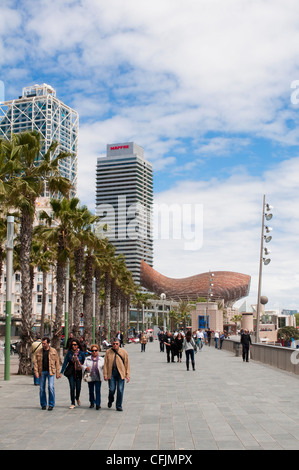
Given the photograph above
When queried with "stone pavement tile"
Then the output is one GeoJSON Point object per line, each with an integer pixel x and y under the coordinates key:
{"type": "Point", "coordinates": [205, 444]}
{"type": "Point", "coordinates": [288, 443]}
{"type": "Point", "coordinates": [228, 444]}
{"type": "Point", "coordinates": [184, 445]}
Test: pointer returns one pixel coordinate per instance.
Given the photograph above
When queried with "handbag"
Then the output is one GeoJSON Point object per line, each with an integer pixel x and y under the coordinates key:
{"type": "Point", "coordinates": [69, 369]}
{"type": "Point", "coordinates": [87, 377]}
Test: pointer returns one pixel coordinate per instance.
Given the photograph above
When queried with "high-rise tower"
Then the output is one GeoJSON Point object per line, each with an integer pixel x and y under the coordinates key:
{"type": "Point", "coordinates": [124, 199]}
{"type": "Point", "coordinates": [39, 109]}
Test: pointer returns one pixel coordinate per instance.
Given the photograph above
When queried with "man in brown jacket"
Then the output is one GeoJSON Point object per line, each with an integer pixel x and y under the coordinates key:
{"type": "Point", "coordinates": [46, 365]}
{"type": "Point", "coordinates": [116, 370]}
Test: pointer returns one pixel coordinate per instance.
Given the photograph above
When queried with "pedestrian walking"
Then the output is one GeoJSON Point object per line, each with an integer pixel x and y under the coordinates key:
{"type": "Point", "coordinates": [46, 365]}
{"type": "Point", "coordinates": [116, 370]}
{"type": "Point", "coordinates": [221, 338]}
{"type": "Point", "coordinates": [189, 347]}
{"type": "Point", "coordinates": [72, 369]}
{"type": "Point", "coordinates": [216, 338]}
{"type": "Point", "coordinates": [83, 344]}
{"type": "Point", "coordinates": [143, 341]}
{"type": "Point", "coordinates": [246, 343]}
{"type": "Point", "coordinates": [169, 345]}
{"type": "Point", "coordinates": [120, 336]}
{"type": "Point", "coordinates": [69, 342]}
{"type": "Point", "coordinates": [200, 339]}
{"type": "Point", "coordinates": [94, 366]}
{"type": "Point", "coordinates": [205, 337]}
{"type": "Point", "coordinates": [179, 340]}
{"type": "Point", "coordinates": [209, 334]}
{"type": "Point", "coordinates": [161, 340]}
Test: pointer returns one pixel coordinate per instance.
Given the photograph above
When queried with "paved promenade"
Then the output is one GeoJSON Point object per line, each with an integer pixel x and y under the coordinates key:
{"type": "Point", "coordinates": [224, 404]}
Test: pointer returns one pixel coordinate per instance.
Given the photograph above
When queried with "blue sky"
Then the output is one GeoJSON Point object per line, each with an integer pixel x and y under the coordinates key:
{"type": "Point", "coordinates": [206, 87]}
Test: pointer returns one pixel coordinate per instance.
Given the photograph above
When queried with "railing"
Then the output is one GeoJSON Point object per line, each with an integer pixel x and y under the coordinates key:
{"type": "Point", "coordinates": [275, 356]}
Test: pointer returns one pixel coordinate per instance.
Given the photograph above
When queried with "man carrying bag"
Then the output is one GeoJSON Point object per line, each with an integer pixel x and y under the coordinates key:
{"type": "Point", "coordinates": [116, 370]}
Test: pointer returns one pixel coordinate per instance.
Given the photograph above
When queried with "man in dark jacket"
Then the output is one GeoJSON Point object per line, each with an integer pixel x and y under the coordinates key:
{"type": "Point", "coordinates": [161, 340]}
{"type": "Point", "coordinates": [169, 345]}
{"type": "Point", "coordinates": [246, 343]}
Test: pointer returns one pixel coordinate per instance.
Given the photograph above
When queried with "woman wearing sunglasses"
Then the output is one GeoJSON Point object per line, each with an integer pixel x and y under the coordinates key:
{"type": "Point", "coordinates": [73, 362]}
{"type": "Point", "coordinates": [94, 364]}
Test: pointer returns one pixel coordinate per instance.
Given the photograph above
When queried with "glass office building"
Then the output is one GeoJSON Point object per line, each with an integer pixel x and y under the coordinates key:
{"type": "Point", "coordinates": [124, 199]}
{"type": "Point", "coordinates": [39, 109]}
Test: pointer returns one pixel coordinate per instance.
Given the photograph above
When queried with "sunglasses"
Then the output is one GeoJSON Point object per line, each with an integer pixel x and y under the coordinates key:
{"type": "Point", "coordinates": [94, 350]}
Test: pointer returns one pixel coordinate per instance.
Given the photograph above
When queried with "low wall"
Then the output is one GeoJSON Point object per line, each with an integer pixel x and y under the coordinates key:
{"type": "Point", "coordinates": [275, 356]}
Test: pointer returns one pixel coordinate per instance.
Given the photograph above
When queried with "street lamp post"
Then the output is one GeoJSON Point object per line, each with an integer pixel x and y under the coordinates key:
{"type": "Point", "coordinates": [210, 294]}
{"type": "Point", "coordinates": [9, 274]}
{"type": "Point", "coordinates": [94, 310]}
{"type": "Point", "coordinates": [263, 251]}
{"type": "Point", "coordinates": [163, 297]}
{"type": "Point", "coordinates": [66, 311]}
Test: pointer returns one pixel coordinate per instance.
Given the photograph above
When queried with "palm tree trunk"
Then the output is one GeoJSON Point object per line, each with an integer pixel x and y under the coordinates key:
{"type": "Point", "coordinates": [88, 299]}
{"type": "Point", "coordinates": [78, 305]}
{"type": "Point", "coordinates": [60, 287]}
{"type": "Point", "coordinates": [127, 315]}
{"type": "Point", "coordinates": [26, 296]}
{"type": "Point", "coordinates": [44, 302]}
{"type": "Point", "coordinates": [98, 306]}
{"type": "Point", "coordinates": [107, 305]}
{"type": "Point", "coordinates": [1, 266]}
{"type": "Point", "coordinates": [113, 325]}
{"type": "Point", "coordinates": [71, 306]}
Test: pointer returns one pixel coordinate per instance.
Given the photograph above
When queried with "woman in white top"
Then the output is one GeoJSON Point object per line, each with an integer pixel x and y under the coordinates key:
{"type": "Point", "coordinates": [94, 364]}
{"type": "Point", "coordinates": [189, 347]}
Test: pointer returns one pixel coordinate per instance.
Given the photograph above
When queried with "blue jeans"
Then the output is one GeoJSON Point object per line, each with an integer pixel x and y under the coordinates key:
{"type": "Point", "coordinates": [42, 391]}
{"type": "Point", "coordinates": [95, 387]}
{"type": "Point", "coordinates": [189, 354]}
{"type": "Point", "coordinates": [116, 383]}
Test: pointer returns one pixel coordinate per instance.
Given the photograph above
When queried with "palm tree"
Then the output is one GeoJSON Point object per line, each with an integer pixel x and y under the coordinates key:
{"type": "Point", "coordinates": [60, 232]}
{"type": "Point", "coordinates": [83, 237]}
{"type": "Point", "coordinates": [92, 270]}
{"type": "Point", "coordinates": [44, 259]}
{"type": "Point", "coordinates": [127, 290]}
{"type": "Point", "coordinates": [108, 265]}
{"type": "Point", "coordinates": [29, 174]}
{"type": "Point", "coordinates": [139, 300]}
{"type": "Point", "coordinates": [184, 308]}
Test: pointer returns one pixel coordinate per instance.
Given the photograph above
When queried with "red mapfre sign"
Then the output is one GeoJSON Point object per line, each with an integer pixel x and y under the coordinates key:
{"type": "Point", "coordinates": [118, 147]}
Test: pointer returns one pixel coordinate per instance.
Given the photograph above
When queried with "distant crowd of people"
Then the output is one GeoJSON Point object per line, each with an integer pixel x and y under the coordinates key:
{"type": "Point", "coordinates": [175, 342]}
